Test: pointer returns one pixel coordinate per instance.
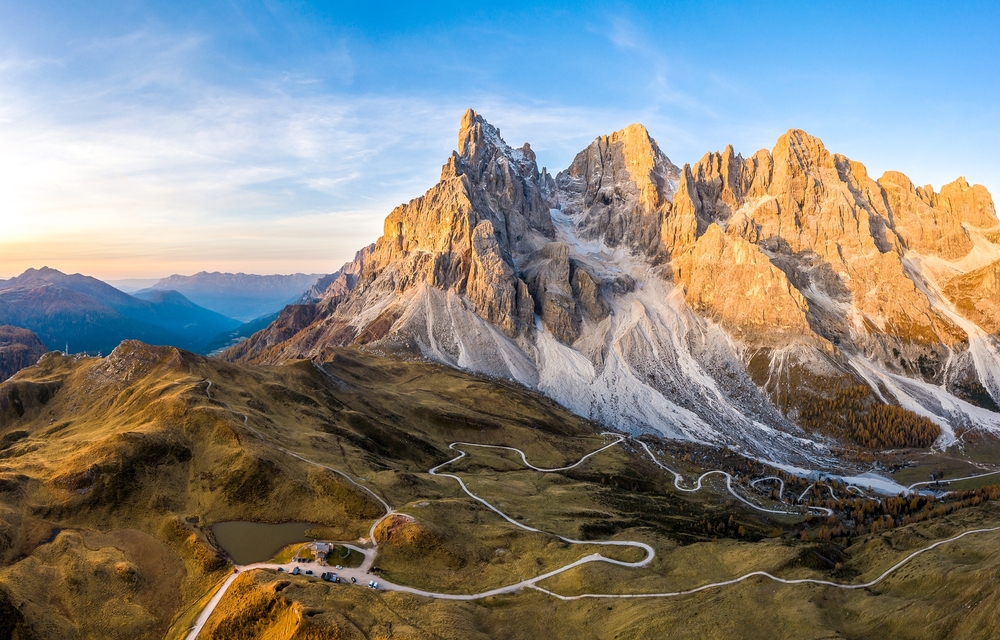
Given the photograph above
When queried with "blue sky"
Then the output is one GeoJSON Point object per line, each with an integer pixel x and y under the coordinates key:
{"type": "Point", "coordinates": [140, 139]}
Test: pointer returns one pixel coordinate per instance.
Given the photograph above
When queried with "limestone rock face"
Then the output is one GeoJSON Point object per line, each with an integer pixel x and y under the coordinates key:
{"type": "Point", "coordinates": [933, 223]}
{"type": "Point", "coordinates": [588, 292]}
{"type": "Point", "coordinates": [732, 282]}
{"type": "Point", "coordinates": [549, 283]}
{"type": "Point", "coordinates": [466, 235]}
{"type": "Point", "coordinates": [976, 295]}
{"type": "Point", "coordinates": [717, 302]}
{"type": "Point", "coordinates": [485, 181]}
{"type": "Point", "coordinates": [973, 205]}
{"type": "Point", "coordinates": [466, 232]}
{"type": "Point", "coordinates": [550, 192]}
{"type": "Point", "coordinates": [492, 287]}
{"type": "Point", "coordinates": [621, 185]}
{"type": "Point", "coordinates": [680, 228]}
{"type": "Point", "coordinates": [725, 181]}
{"type": "Point", "coordinates": [810, 208]}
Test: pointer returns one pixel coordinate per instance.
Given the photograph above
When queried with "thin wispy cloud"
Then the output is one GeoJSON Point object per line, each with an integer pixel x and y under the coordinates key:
{"type": "Point", "coordinates": [625, 36]}
{"type": "Point", "coordinates": [290, 131]}
{"type": "Point", "coordinates": [214, 162]}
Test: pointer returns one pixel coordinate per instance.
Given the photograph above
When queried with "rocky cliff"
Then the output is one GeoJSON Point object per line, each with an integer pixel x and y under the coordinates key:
{"type": "Point", "coordinates": [723, 301]}
{"type": "Point", "coordinates": [19, 348]}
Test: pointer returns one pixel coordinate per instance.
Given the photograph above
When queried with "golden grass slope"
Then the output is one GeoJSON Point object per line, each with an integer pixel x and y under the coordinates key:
{"type": "Point", "coordinates": [133, 443]}
{"type": "Point", "coordinates": [112, 472]}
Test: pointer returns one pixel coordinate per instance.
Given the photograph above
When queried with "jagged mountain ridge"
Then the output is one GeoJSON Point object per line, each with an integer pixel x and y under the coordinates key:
{"type": "Point", "coordinates": [340, 282]}
{"type": "Point", "coordinates": [719, 301]}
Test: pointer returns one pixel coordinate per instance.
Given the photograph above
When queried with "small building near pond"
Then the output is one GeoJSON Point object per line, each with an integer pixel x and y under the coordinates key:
{"type": "Point", "coordinates": [322, 550]}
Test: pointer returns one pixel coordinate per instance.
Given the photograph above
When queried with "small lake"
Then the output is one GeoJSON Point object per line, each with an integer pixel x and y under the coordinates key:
{"type": "Point", "coordinates": [249, 542]}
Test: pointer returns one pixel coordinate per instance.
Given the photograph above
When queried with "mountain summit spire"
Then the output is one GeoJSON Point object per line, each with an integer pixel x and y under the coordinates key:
{"type": "Point", "coordinates": [474, 133]}
{"type": "Point", "coordinates": [723, 302]}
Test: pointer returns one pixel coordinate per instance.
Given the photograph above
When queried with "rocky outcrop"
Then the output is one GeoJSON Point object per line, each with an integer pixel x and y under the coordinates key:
{"type": "Point", "coordinates": [921, 226]}
{"type": "Point", "coordinates": [620, 187]}
{"type": "Point", "coordinates": [976, 295]}
{"type": "Point", "coordinates": [588, 291]}
{"type": "Point", "coordinates": [971, 204]}
{"type": "Point", "coordinates": [339, 284]}
{"type": "Point", "coordinates": [466, 235]}
{"type": "Point", "coordinates": [549, 283]}
{"type": "Point", "coordinates": [935, 223]}
{"type": "Point", "coordinates": [19, 348]}
{"type": "Point", "coordinates": [725, 181]}
{"type": "Point", "coordinates": [734, 283]}
{"type": "Point", "coordinates": [485, 182]}
{"type": "Point", "coordinates": [499, 296]}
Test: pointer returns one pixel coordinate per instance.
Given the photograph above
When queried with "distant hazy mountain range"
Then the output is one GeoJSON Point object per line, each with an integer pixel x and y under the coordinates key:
{"type": "Point", "coordinates": [238, 295]}
{"type": "Point", "coordinates": [91, 315]}
{"type": "Point", "coordinates": [131, 285]}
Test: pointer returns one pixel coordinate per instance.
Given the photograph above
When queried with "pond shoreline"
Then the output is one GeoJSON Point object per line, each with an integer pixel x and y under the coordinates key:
{"type": "Point", "coordinates": [248, 542]}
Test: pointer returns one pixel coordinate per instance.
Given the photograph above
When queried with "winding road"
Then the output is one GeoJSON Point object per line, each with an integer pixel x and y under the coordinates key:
{"type": "Point", "coordinates": [781, 484]}
{"type": "Point", "coordinates": [949, 480]}
{"type": "Point", "coordinates": [764, 574]}
{"type": "Point", "coordinates": [729, 485]}
{"type": "Point", "coordinates": [370, 552]}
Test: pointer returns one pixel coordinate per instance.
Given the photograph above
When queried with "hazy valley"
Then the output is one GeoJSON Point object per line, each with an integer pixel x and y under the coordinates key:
{"type": "Point", "coordinates": [90, 316]}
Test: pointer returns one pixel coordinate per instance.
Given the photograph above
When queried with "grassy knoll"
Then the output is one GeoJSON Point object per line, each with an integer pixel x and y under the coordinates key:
{"type": "Point", "coordinates": [474, 552]}
{"type": "Point", "coordinates": [345, 557]}
{"type": "Point", "coordinates": [288, 553]}
{"type": "Point", "coordinates": [952, 464]}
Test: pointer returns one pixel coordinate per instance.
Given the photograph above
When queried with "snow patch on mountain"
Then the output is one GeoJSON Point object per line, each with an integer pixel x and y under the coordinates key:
{"type": "Point", "coordinates": [446, 329]}
{"type": "Point", "coordinates": [982, 347]}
